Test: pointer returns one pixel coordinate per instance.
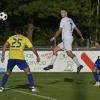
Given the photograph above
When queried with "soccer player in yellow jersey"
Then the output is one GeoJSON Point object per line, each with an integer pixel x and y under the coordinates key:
{"type": "Point", "coordinates": [17, 44]}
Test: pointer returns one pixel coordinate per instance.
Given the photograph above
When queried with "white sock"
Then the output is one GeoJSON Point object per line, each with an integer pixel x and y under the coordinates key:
{"type": "Point", "coordinates": [54, 57]}
{"type": "Point", "coordinates": [76, 61]}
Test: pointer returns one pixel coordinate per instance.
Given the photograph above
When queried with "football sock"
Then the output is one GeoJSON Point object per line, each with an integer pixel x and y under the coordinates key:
{"type": "Point", "coordinates": [96, 77]}
{"type": "Point", "coordinates": [4, 80]}
{"type": "Point", "coordinates": [30, 79]}
{"type": "Point", "coordinates": [76, 61]}
{"type": "Point", "coordinates": [54, 57]}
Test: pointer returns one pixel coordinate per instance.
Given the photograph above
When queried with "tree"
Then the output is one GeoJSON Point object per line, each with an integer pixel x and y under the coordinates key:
{"type": "Point", "coordinates": [46, 14]}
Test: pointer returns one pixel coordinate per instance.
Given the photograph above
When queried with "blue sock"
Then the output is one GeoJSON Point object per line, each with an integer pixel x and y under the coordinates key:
{"type": "Point", "coordinates": [30, 79]}
{"type": "Point", "coordinates": [4, 80]}
{"type": "Point", "coordinates": [99, 75]}
{"type": "Point", "coordinates": [96, 76]}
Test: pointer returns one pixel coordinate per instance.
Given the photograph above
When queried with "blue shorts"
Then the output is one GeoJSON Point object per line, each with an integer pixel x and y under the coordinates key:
{"type": "Point", "coordinates": [97, 64]}
{"type": "Point", "coordinates": [22, 64]}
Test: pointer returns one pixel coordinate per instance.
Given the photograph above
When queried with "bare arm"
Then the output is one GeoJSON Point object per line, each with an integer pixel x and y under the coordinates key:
{"type": "Point", "coordinates": [79, 32]}
{"type": "Point", "coordinates": [56, 34]}
{"type": "Point", "coordinates": [35, 52]}
{"type": "Point", "coordinates": [3, 51]}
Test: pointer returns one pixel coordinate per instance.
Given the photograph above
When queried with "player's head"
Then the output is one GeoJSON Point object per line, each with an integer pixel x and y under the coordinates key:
{"type": "Point", "coordinates": [18, 30]}
{"type": "Point", "coordinates": [63, 13]}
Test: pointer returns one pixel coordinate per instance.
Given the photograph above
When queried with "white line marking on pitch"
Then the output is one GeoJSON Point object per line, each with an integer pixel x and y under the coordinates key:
{"type": "Point", "coordinates": [32, 94]}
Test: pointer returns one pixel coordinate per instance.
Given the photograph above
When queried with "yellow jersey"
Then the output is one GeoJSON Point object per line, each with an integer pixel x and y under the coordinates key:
{"type": "Point", "coordinates": [17, 45]}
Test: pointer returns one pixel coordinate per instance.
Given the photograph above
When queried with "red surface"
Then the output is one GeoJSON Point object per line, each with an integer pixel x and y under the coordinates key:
{"type": "Point", "coordinates": [87, 60]}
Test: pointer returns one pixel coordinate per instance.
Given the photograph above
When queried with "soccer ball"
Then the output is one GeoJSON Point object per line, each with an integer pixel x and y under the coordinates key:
{"type": "Point", "coordinates": [3, 16]}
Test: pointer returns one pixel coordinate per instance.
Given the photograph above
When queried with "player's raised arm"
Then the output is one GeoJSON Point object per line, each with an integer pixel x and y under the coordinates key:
{"type": "Point", "coordinates": [3, 51]}
{"type": "Point", "coordinates": [56, 34]}
{"type": "Point", "coordinates": [79, 32]}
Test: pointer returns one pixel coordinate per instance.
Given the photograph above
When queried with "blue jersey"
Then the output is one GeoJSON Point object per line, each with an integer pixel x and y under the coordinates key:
{"type": "Point", "coordinates": [97, 64]}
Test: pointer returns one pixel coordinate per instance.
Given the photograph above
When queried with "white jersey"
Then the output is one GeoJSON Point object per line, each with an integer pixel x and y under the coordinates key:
{"type": "Point", "coordinates": [67, 26]}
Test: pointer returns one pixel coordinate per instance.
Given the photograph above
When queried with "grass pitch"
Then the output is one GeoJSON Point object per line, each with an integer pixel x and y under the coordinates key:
{"type": "Point", "coordinates": [51, 86]}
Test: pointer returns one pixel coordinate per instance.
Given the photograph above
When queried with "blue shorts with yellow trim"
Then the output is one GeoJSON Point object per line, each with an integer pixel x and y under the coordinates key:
{"type": "Point", "coordinates": [22, 64]}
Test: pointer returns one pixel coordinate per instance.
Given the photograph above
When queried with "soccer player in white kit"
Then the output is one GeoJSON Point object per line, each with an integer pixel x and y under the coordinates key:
{"type": "Point", "coordinates": [66, 28]}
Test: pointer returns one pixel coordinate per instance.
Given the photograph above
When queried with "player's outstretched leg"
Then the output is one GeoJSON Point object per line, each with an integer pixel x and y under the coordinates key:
{"type": "Point", "coordinates": [4, 80]}
{"type": "Point", "coordinates": [54, 57]}
{"type": "Point", "coordinates": [74, 58]}
{"type": "Point", "coordinates": [30, 78]}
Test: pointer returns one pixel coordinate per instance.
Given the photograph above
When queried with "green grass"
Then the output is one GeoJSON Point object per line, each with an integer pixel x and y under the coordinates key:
{"type": "Point", "coordinates": [61, 86]}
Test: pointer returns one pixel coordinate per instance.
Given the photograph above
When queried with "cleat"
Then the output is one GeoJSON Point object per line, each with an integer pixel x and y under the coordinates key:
{"type": "Point", "coordinates": [1, 89]}
{"type": "Point", "coordinates": [79, 69]}
{"type": "Point", "coordinates": [48, 67]}
{"type": "Point", "coordinates": [97, 84]}
{"type": "Point", "coordinates": [33, 89]}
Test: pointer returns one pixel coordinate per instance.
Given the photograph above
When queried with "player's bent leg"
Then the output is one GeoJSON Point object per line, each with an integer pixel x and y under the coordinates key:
{"type": "Point", "coordinates": [70, 54]}
{"type": "Point", "coordinates": [10, 67]}
{"type": "Point", "coordinates": [30, 78]}
{"type": "Point", "coordinates": [27, 70]}
{"type": "Point", "coordinates": [54, 57]}
{"type": "Point", "coordinates": [96, 76]}
{"type": "Point", "coordinates": [73, 56]}
{"type": "Point", "coordinates": [4, 80]}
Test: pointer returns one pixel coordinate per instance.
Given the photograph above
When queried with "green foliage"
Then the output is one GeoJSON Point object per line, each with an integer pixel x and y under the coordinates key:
{"type": "Point", "coordinates": [83, 13]}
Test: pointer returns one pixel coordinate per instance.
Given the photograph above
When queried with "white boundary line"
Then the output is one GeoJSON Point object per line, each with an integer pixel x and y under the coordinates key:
{"type": "Point", "coordinates": [32, 94]}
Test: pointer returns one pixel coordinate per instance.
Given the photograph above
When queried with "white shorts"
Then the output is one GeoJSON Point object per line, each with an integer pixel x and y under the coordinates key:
{"type": "Point", "coordinates": [66, 45]}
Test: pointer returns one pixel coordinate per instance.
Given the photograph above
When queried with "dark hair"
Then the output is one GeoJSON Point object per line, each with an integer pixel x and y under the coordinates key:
{"type": "Point", "coordinates": [19, 30]}
{"type": "Point", "coordinates": [30, 20]}
{"type": "Point", "coordinates": [64, 9]}
{"type": "Point", "coordinates": [68, 14]}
